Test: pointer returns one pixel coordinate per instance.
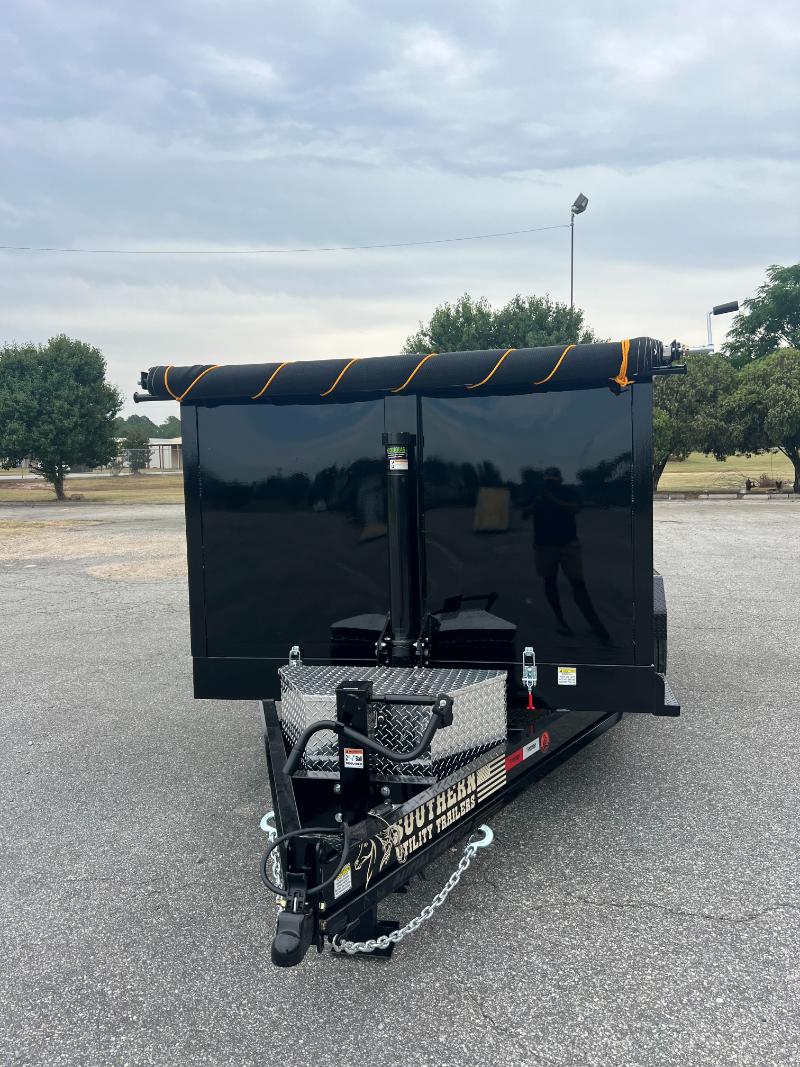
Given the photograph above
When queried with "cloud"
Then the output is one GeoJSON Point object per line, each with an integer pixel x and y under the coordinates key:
{"type": "Point", "coordinates": [234, 73]}
{"type": "Point", "coordinates": [245, 123]}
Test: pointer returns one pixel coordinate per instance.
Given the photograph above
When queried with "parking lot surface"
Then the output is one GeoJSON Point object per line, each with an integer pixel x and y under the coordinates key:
{"type": "Point", "coordinates": [640, 906]}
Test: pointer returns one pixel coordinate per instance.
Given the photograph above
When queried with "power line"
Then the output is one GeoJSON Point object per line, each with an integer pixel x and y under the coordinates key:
{"type": "Point", "coordinates": [272, 251]}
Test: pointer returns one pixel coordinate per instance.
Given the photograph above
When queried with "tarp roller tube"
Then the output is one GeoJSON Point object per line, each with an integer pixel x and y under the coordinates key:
{"type": "Point", "coordinates": [565, 366]}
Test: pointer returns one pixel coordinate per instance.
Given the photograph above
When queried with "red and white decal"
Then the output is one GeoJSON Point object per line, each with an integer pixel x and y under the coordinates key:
{"type": "Point", "coordinates": [513, 758]}
{"type": "Point", "coordinates": [518, 755]}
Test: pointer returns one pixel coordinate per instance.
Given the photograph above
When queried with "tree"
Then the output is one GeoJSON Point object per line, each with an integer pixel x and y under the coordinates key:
{"type": "Point", "coordinates": [56, 407]}
{"type": "Point", "coordinates": [140, 422]}
{"type": "Point", "coordinates": [765, 409]}
{"type": "Point", "coordinates": [170, 427]}
{"type": "Point", "coordinates": [524, 322]}
{"type": "Point", "coordinates": [689, 413]}
{"type": "Point", "coordinates": [136, 448]}
{"type": "Point", "coordinates": [771, 318]}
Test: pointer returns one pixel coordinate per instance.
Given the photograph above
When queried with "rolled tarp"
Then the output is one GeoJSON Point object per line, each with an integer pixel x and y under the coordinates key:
{"type": "Point", "coordinates": [616, 364]}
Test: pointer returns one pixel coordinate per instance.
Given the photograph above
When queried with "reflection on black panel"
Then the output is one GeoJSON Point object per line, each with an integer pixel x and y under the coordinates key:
{"type": "Point", "coordinates": [293, 501]}
{"type": "Point", "coordinates": [528, 527]}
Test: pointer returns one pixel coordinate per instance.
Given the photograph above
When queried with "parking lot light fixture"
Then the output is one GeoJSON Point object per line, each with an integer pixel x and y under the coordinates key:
{"type": "Point", "coordinates": [719, 309]}
{"type": "Point", "coordinates": [578, 208]}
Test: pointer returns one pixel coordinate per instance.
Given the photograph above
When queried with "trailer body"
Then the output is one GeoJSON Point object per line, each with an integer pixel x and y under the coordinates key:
{"type": "Point", "coordinates": [464, 516]}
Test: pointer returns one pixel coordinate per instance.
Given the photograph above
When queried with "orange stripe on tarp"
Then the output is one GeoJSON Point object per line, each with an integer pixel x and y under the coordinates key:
{"type": "Point", "coordinates": [414, 371]}
{"type": "Point", "coordinates": [166, 382]}
{"type": "Point", "coordinates": [341, 375]}
{"type": "Point", "coordinates": [202, 374]}
{"type": "Point", "coordinates": [271, 379]}
{"type": "Point", "coordinates": [494, 368]}
{"type": "Point", "coordinates": [558, 364]}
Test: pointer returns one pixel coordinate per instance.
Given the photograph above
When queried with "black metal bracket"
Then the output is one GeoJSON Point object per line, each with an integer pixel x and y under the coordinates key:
{"type": "Point", "coordinates": [384, 643]}
{"type": "Point", "coordinates": [424, 643]}
{"type": "Point", "coordinates": [355, 785]}
{"type": "Point", "coordinates": [442, 715]}
{"type": "Point", "coordinates": [366, 928]}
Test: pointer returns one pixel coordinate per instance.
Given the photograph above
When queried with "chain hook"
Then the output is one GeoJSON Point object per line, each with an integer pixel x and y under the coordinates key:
{"type": "Point", "coordinates": [266, 825]}
{"type": "Point", "coordinates": [485, 841]}
{"type": "Point", "coordinates": [339, 944]}
{"type": "Point", "coordinates": [271, 831]}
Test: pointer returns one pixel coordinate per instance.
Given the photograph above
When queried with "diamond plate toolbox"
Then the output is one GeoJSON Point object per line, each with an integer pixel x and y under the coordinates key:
{"type": "Point", "coordinates": [308, 694]}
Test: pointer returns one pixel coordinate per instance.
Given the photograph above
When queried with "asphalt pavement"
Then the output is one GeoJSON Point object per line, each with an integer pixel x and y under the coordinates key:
{"type": "Point", "coordinates": [640, 906]}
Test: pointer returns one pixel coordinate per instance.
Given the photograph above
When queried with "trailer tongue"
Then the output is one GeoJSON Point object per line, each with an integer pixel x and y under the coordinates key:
{"type": "Point", "coordinates": [435, 574]}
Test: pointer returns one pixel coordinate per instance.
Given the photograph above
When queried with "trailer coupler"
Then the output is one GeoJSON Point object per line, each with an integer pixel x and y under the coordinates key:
{"type": "Point", "coordinates": [294, 933]}
{"type": "Point", "coordinates": [297, 928]}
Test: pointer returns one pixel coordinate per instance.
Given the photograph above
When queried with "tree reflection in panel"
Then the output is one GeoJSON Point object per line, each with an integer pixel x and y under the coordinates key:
{"type": "Point", "coordinates": [528, 527]}
{"type": "Point", "coordinates": [293, 505]}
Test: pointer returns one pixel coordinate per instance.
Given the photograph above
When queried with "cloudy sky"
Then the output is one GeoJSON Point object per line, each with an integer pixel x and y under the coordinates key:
{"type": "Point", "coordinates": [236, 124]}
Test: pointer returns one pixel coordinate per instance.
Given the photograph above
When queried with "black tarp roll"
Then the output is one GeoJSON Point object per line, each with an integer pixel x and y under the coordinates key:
{"type": "Point", "coordinates": [613, 363]}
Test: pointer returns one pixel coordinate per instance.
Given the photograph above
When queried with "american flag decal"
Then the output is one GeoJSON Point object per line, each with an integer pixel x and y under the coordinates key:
{"type": "Point", "coordinates": [491, 778]}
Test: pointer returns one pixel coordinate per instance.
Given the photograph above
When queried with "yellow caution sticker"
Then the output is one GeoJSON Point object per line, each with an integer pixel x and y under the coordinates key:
{"type": "Point", "coordinates": [567, 675]}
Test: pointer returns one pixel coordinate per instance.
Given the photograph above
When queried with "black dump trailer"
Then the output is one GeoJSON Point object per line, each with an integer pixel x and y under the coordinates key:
{"type": "Point", "coordinates": [435, 573]}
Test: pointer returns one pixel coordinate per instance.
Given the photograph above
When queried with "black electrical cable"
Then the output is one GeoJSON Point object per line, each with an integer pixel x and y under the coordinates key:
{"type": "Point", "coordinates": [296, 754]}
{"type": "Point", "coordinates": [272, 251]}
{"type": "Point", "coordinates": [311, 831]}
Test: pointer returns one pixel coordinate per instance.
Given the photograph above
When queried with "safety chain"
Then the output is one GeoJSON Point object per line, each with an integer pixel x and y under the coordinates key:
{"type": "Point", "coordinates": [271, 831]}
{"type": "Point", "coordinates": [470, 851]}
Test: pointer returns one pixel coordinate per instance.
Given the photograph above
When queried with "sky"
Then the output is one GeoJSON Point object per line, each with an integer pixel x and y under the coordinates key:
{"type": "Point", "coordinates": [238, 124]}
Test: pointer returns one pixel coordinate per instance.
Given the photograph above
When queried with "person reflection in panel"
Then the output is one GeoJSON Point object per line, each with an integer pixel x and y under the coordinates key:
{"type": "Point", "coordinates": [555, 544]}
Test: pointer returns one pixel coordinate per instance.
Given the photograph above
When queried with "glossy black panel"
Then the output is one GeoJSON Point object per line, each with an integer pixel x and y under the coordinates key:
{"type": "Point", "coordinates": [293, 502]}
{"type": "Point", "coordinates": [529, 527]}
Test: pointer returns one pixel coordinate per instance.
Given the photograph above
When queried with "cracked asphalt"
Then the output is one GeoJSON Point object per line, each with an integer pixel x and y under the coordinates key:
{"type": "Point", "coordinates": [639, 907]}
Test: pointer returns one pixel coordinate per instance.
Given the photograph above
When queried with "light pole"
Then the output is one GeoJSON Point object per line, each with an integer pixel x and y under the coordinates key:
{"type": "Point", "coordinates": [580, 205]}
{"type": "Point", "coordinates": [719, 309]}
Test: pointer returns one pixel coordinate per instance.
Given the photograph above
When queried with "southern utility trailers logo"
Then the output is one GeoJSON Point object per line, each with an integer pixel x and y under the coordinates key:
{"type": "Point", "coordinates": [432, 817]}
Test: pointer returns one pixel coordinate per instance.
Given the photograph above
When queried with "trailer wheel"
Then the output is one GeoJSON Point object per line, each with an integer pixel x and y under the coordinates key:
{"type": "Point", "coordinates": [659, 624]}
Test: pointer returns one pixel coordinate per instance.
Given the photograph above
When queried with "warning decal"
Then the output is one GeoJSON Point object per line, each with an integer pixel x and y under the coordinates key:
{"type": "Point", "coordinates": [343, 882]}
{"type": "Point", "coordinates": [567, 675]}
{"type": "Point", "coordinates": [398, 459]}
{"type": "Point", "coordinates": [354, 758]}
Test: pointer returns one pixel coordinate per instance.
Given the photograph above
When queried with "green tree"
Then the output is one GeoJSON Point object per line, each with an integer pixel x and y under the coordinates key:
{"type": "Point", "coordinates": [764, 412]}
{"type": "Point", "coordinates": [771, 318]}
{"type": "Point", "coordinates": [170, 427]}
{"type": "Point", "coordinates": [56, 407]}
{"type": "Point", "coordinates": [122, 426]}
{"type": "Point", "coordinates": [136, 448]}
{"type": "Point", "coordinates": [689, 413]}
{"type": "Point", "coordinates": [524, 322]}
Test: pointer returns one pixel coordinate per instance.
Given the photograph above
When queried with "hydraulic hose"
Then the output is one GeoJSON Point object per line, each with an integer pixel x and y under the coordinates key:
{"type": "Point", "coordinates": [437, 719]}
